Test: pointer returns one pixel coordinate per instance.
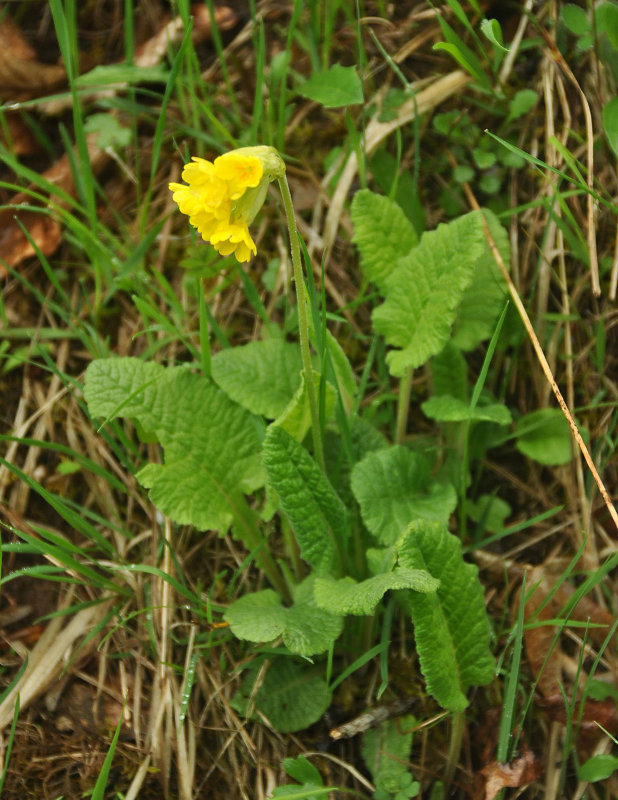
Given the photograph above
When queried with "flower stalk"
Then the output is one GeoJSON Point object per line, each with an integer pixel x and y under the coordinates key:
{"type": "Point", "coordinates": [303, 324]}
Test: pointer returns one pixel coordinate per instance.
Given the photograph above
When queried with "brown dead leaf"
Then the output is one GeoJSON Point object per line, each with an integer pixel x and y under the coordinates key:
{"type": "Point", "coordinates": [603, 712]}
{"type": "Point", "coordinates": [21, 75]}
{"type": "Point", "coordinates": [523, 769]}
{"type": "Point", "coordinates": [17, 136]}
{"type": "Point", "coordinates": [15, 246]}
{"type": "Point", "coordinates": [538, 641]}
{"type": "Point", "coordinates": [44, 231]}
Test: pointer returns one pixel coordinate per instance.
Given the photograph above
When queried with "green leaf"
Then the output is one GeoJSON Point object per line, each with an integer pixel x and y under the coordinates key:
{"type": "Point", "coordinates": [606, 17]}
{"type": "Point", "coordinates": [450, 409]}
{"type": "Point", "coordinates": [211, 444]}
{"type": "Point", "coordinates": [382, 233]}
{"type": "Point", "coordinates": [425, 289]}
{"type": "Point", "coordinates": [257, 617]}
{"type": "Point", "coordinates": [598, 768]}
{"type": "Point", "coordinates": [386, 752]}
{"type": "Point", "coordinates": [451, 628]}
{"type": "Point", "coordinates": [111, 132]}
{"type": "Point", "coordinates": [462, 56]}
{"type": "Point", "coordinates": [306, 629]}
{"type": "Point", "coordinates": [483, 299]}
{"type": "Point", "coordinates": [293, 697]}
{"type": "Point", "coordinates": [545, 436]}
{"type": "Point", "coordinates": [302, 770]}
{"type": "Point", "coordinates": [575, 19]}
{"type": "Point", "coordinates": [610, 123]}
{"type": "Point", "coordinates": [346, 596]}
{"type": "Point", "coordinates": [491, 29]}
{"type": "Point", "coordinates": [122, 73]}
{"type": "Point", "coordinates": [490, 511]}
{"type": "Point", "coordinates": [260, 376]}
{"type": "Point", "coordinates": [394, 487]}
{"type": "Point", "coordinates": [521, 102]}
{"type": "Point", "coordinates": [449, 372]}
{"type": "Point", "coordinates": [317, 515]}
{"type": "Point", "coordinates": [296, 417]}
{"type": "Point", "coordinates": [334, 87]}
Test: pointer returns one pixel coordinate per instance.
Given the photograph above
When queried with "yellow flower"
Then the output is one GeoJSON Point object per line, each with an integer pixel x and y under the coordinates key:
{"type": "Point", "coordinates": [223, 197]}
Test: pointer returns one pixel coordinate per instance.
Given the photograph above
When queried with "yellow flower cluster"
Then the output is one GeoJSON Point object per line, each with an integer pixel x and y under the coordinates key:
{"type": "Point", "coordinates": [223, 197]}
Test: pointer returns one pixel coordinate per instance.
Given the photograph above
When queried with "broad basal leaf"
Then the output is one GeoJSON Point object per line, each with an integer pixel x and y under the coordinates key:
{"type": "Point", "coordinates": [211, 444]}
{"type": "Point", "coordinates": [382, 233]}
{"type": "Point", "coordinates": [484, 298]}
{"type": "Point", "coordinates": [545, 436]}
{"type": "Point", "coordinates": [386, 752]}
{"type": "Point", "coordinates": [292, 696]}
{"type": "Point", "coordinates": [317, 515]}
{"type": "Point", "coordinates": [306, 629]}
{"type": "Point", "coordinates": [450, 626]}
{"type": "Point", "coordinates": [393, 487]}
{"type": "Point", "coordinates": [346, 596]}
{"type": "Point", "coordinates": [425, 290]}
{"type": "Point", "coordinates": [260, 376]}
{"type": "Point", "coordinates": [450, 409]}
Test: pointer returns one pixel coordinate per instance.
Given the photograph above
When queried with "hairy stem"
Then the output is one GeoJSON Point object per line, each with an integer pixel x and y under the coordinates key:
{"type": "Point", "coordinates": [303, 325]}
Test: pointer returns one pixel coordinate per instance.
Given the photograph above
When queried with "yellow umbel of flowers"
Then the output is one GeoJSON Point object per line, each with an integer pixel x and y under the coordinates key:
{"type": "Point", "coordinates": [223, 197]}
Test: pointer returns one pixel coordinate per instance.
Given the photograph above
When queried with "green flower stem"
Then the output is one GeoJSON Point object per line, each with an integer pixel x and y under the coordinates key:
{"type": "Point", "coordinates": [403, 406]}
{"type": "Point", "coordinates": [303, 326]}
{"type": "Point", "coordinates": [248, 532]}
{"type": "Point", "coordinates": [454, 750]}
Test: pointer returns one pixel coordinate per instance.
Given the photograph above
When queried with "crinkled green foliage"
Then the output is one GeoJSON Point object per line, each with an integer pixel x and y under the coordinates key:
{"type": "Point", "coordinates": [450, 409]}
{"type": "Point", "coordinates": [211, 444]}
{"type": "Point", "coordinates": [451, 627]}
{"type": "Point", "coordinates": [424, 291]}
{"type": "Point", "coordinates": [386, 752]}
{"type": "Point", "coordinates": [316, 513]}
{"type": "Point", "coordinates": [393, 487]}
{"type": "Point", "coordinates": [306, 629]}
{"type": "Point", "coordinates": [293, 696]}
{"type": "Point", "coordinates": [545, 436]}
{"type": "Point", "coordinates": [382, 233]}
{"type": "Point", "coordinates": [261, 376]}
{"type": "Point", "coordinates": [484, 298]}
{"type": "Point", "coordinates": [346, 596]}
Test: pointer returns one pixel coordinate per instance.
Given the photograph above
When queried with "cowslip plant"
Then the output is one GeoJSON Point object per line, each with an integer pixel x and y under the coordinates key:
{"type": "Point", "coordinates": [369, 518]}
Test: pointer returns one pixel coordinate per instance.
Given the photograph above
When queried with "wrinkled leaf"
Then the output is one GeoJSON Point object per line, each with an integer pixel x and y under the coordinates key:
{"type": "Point", "coordinates": [211, 444]}
{"type": "Point", "coordinates": [393, 487]}
{"type": "Point", "coordinates": [451, 627]}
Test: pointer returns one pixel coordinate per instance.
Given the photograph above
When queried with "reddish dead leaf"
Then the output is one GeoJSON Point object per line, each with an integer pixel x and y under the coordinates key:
{"type": "Point", "coordinates": [546, 663]}
{"type": "Point", "coordinates": [603, 712]}
{"type": "Point", "coordinates": [524, 769]}
{"type": "Point", "coordinates": [17, 136]}
{"type": "Point", "coordinates": [538, 641]}
{"type": "Point", "coordinates": [44, 231]}
{"type": "Point", "coordinates": [21, 75]}
{"type": "Point", "coordinates": [15, 246]}
{"type": "Point", "coordinates": [28, 636]}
